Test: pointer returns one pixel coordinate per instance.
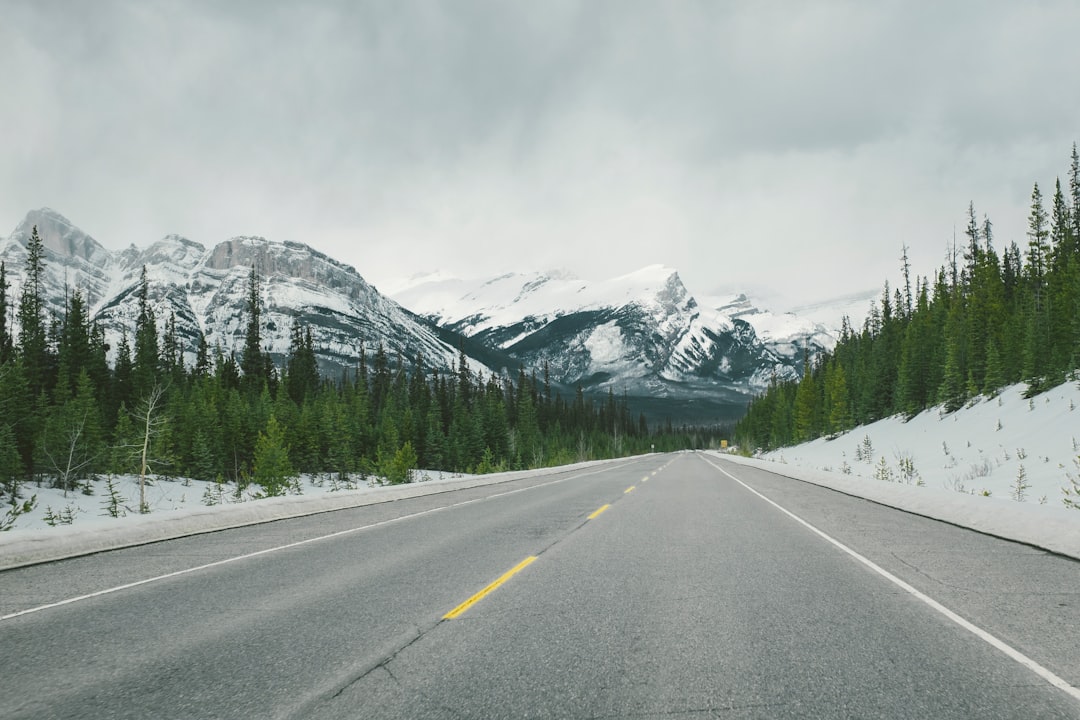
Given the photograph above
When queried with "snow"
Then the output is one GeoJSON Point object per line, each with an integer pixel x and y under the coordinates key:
{"type": "Point", "coordinates": [605, 345]}
{"type": "Point", "coordinates": [508, 299]}
{"type": "Point", "coordinates": [963, 466]}
{"type": "Point", "coordinates": [180, 507]}
{"type": "Point", "coordinates": [478, 305]}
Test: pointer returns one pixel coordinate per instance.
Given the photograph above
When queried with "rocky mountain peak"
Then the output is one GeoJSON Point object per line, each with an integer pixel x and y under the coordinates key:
{"type": "Point", "coordinates": [60, 237]}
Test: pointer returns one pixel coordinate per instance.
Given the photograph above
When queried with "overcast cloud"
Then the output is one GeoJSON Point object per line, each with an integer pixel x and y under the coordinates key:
{"type": "Point", "coordinates": [783, 148]}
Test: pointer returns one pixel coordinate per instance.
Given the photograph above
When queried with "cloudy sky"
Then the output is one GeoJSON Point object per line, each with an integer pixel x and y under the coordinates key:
{"type": "Point", "coordinates": [788, 149]}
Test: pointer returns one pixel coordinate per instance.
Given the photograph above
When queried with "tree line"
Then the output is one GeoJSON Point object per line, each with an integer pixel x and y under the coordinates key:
{"type": "Point", "coordinates": [68, 414]}
{"type": "Point", "coordinates": [985, 320]}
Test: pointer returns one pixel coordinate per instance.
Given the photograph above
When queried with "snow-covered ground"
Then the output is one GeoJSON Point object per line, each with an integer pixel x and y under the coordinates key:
{"type": "Point", "coordinates": [179, 508]}
{"type": "Point", "coordinates": [98, 506]}
{"type": "Point", "coordinates": [989, 448]}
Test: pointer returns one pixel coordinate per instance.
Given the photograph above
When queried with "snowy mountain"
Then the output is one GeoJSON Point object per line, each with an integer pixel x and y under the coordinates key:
{"type": "Point", "coordinates": [643, 334]}
{"type": "Point", "coordinates": [205, 290]}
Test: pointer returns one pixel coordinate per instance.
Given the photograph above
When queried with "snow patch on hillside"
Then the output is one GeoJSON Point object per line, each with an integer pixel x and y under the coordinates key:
{"type": "Point", "coordinates": [605, 345]}
{"type": "Point", "coordinates": [981, 449]}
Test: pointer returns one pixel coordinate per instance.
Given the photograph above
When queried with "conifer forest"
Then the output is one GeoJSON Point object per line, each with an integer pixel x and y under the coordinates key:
{"type": "Point", "coordinates": [984, 320]}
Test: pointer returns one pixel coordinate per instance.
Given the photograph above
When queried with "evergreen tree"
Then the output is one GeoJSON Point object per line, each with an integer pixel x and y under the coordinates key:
{"type": "Point", "coordinates": [380, 380]}
{"type": "Point", "coordinates": [1038, 248]}
{"type": "Point", "coordinates": [123, 388]}
{"type": "Point", "coordinates": [995, 370]}
{"type": "Point", "coordinates": [6, 343]}
{"type": "Point", "coordinates": [73, 352]}
{"type": "Point", "coordinates": [400, 467]}
{"type": "Point", "coordinates": [172, 354]}
{"type": "Point", "coordinates": [839, 404]}
{"type": "Point", "coordinates": [1061, 291]}
{"type": "Point", "coordinates": [806, 407]}
{"type": "Point", "coordinates": [204, 465]}
{"type": "Point", "coordinates": [252, 362]}
{"type": "Point", "coordinates": [146, 361]}
{"type": "Point", "coordinates": [435, 445]}
{"type": "Point", "coordinates": [1074, 193]}
{"type": "Point", "coordinates": [909, 299]}
{"type": "Point", "coordinates": [916, 354]}
{"type": "Point", "coordinates": [302, 369]}
{"type": "Point", "coordinates": [201, 369]}
{"type": "Point", "coordinates": [11, 466]}
{"type": "Point", "coordinates": [33, 343]}
{"type": "Point", "coordinates": [271, 467]}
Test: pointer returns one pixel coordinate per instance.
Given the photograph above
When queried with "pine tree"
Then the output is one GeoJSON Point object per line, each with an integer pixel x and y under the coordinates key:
{"type": "Point", "coordinates": [271, 467]}
{"type": "Point", "coordinates": [839, 403]}
{"type": "Point", "coordinates": [906, 270]}
{"type": "Point", "coordinates": [204, 464]}
{"type": "Point", "coordinates": [123, 389]}
{"type": "Point", "coordinates": [1036, 337]}
{"type": "Point", "coordinates": [11, 467]}
{"type": "Point", "coordinates": [971, 253]}
{"type": "Point", "coordinates": [911, 374]}
{"type": "Point", "coordinates": [6, 343]}
{"type": "Point", "coordinates": [302, 369]}
{"type": "Point", "coordinates": [172, 354]}
{"type": "Point", "coordinates": [73, 353]}
{"type": "Point", "coordinates": [995, 371]}
{"type": "Point", "coordinates": [1074, 194]}
{"type": "Point", "coordinates": [435, 445]}
{"type": "Point", "coordinates": [146, 361]}
{"type": "Point", "coordinates": [33, 344]}
{"type": "Point", "coordinates": [252, 363]}
{"type": "Point", "coordinates": [1061, 292]}
{"type": "Point", "coordinates": [1038, 248]}
{"type": "Point", "coordinates": [806, 407]}
{"type": "Point", "coordinates": [201, 369]}
{"type": "Point", "coordinates": [400, 468]}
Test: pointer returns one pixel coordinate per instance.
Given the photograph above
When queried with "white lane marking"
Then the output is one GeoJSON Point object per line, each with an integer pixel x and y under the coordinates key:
{"type": "Point", "coordinates": [1001, 645]}
{"type": "Point", "coordinates": [298, 543]}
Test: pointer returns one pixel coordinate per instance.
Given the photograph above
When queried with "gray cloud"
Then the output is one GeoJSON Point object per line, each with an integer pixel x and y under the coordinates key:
{"type": "Point", "coordinates": [778, 145]}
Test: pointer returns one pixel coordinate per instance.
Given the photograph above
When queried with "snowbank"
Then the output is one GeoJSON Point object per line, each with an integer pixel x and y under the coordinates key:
{"type": "Point", "coordinates": [997, 465]}
{"type": "Point", "coordinates": [1049, 527]}
{"type": "Point", "coordinates": [30, 546]}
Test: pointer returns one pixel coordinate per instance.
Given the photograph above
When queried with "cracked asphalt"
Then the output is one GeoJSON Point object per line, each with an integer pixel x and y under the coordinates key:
{"type": "Point", "coordinates": [688, 597]}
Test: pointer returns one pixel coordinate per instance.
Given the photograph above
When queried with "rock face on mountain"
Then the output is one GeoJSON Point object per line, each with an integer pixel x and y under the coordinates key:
{"type": "Point", "coordinates": [205, 291]}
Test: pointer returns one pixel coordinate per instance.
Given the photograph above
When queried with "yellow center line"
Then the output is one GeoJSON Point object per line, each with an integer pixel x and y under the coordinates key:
{"type": "Point", "coordinates": [596, 513]}
{"type": "Point", "coordinates": [629, 489]}
{"type": "Point", "coordinates": [456, 612]}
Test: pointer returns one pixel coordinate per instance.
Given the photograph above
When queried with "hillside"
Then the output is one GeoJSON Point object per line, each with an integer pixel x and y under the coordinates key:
{"type": "Point", "coordinates": [978, 449]}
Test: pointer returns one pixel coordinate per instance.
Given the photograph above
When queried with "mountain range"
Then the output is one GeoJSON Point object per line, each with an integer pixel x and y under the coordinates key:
{"type": "Point", "coordinates": [643, 335]}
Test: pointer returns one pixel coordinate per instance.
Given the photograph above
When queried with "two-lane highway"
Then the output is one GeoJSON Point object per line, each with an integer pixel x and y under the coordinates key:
{"type": "Point", "coordinates": [662, 586]}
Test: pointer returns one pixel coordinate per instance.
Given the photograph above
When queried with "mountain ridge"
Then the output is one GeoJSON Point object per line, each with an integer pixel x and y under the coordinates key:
{"type": "Point", "coordinates": [641, 333]}
{"type": "Point", "coordinates": [205, 289]}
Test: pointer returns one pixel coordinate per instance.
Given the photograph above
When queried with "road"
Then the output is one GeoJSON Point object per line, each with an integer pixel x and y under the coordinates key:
{"type": "Point", "coordinates": [663, 586]}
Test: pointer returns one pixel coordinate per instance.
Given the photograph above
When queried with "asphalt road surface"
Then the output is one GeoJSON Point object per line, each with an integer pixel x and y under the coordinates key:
{"type": "Point", "coordinates": [664, 586]}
